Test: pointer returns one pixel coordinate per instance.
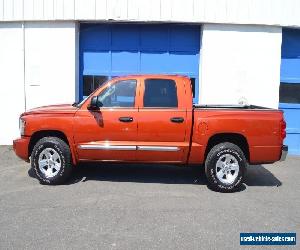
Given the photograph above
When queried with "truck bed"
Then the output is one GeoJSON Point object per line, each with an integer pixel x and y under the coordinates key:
{"type": "Point", "coordinates": [263, 124]}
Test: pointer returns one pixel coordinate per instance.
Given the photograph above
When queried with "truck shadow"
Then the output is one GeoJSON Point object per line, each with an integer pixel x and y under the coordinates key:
{"type": "Point", "coordinates": [140, 173]}
{"type": "Point", "coordinates": [257, 175]}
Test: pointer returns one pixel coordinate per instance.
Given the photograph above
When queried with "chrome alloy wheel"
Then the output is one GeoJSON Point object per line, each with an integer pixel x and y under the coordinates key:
{"type": "Point", "coordinates": [227, 169]}
{"type": "Point", "coordinates": [49, 162]}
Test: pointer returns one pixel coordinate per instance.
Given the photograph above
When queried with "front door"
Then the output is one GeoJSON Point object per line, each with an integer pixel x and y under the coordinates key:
{"type": "Point", "coordinates": [162, 122]}
{"type": "Point", "coordinates": [109, 133]}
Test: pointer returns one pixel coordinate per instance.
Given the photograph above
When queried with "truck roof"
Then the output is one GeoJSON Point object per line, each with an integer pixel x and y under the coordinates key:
{"type": "Point", "coordinates": [154, 76]}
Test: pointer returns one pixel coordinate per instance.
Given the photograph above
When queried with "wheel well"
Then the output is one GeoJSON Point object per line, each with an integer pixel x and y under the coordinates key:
{"type": "Point", "coordinates": [236, 139]}
{"type": "Point", "coordinates": [45, 133]}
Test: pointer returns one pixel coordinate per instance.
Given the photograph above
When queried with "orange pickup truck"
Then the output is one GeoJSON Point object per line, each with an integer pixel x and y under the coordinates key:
{"type": "Point", "coordinates": [151, 119]}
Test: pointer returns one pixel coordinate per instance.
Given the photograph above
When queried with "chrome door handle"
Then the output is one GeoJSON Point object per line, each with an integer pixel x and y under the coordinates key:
{"type": "Point", "coordinates": [177, 119]}
{"type": "Point", "coordinates": [125, 119]}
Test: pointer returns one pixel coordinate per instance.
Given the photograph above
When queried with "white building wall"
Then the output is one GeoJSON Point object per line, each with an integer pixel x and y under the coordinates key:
{"type": "Point", "coordinates": [266, 12]}
{"type": "Point", "coordinates": [240, 64]}
{"type": "Point", "coordinates": [50, 65]}
{"type": "Point", "coordinates": [12, 99]}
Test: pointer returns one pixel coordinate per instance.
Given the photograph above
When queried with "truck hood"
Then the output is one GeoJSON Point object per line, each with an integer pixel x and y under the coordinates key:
{"type": "Point", "coordinates": [52, 109]}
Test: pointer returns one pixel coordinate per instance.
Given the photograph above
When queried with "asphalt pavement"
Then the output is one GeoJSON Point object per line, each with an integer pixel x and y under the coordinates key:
{"type": "Point", "coordinates": [143, 207]}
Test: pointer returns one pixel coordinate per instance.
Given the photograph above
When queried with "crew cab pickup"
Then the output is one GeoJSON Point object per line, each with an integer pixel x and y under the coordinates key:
{"type": "Point", "coordinates": [151, 119]}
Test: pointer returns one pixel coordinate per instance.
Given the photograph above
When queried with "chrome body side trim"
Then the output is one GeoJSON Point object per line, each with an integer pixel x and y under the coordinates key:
{"type": "Point", "coordinates": [158, 148]}
{"type": "Point", "coordinates": [127, 147]}
{"type": "Point", "coordinates": [105, 147]}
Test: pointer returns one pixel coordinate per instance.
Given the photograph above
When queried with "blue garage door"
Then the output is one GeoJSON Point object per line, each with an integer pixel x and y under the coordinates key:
{"type": "Point", "coordinates": [289, 95]}
{"type": "Point", "coordinates": [109, 50]}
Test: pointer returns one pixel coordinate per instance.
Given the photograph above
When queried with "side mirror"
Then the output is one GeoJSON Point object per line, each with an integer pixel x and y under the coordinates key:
{"type": "Point", "coordinates": [95, 104]}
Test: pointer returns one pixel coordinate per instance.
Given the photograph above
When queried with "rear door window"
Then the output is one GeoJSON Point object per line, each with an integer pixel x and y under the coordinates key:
{"type": "Point", "coordinates": [160, 93]}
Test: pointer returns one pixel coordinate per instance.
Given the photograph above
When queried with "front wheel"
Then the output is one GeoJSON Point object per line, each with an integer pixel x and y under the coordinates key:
{"type": "Point", "coordinates": [225, 167]}
{"type": "Point", "coordinates": [51, 160]}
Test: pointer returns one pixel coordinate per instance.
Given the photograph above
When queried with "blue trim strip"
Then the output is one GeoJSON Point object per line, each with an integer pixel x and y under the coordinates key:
{"type": "Point", "coordinates": [293, 130]}
{"type": "Point", "coordinates": [289, 106]}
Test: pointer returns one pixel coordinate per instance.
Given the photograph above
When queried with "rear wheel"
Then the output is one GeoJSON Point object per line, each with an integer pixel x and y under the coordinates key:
{"type": "Point", "coordinates": [225, 167]}
{"type": "Point", "coordinates": [51, 160]}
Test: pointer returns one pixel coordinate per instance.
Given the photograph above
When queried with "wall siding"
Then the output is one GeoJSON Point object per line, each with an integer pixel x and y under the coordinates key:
{"type": "Point", "coordinates": [240, 63]}
{"type": "Point", "coordinates": [12, 80]}
{"type": "Point", "coordinates": [50, 64]}
{"type": "Point", "coordinates": [266, 12]}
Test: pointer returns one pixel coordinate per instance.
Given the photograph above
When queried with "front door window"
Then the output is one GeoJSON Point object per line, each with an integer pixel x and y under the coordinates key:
{"type": "Point", "coordinates": [119, 95]}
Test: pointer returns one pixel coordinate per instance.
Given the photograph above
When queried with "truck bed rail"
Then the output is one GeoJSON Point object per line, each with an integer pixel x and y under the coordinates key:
{"type": "Point", "coordinates": [230, 106]}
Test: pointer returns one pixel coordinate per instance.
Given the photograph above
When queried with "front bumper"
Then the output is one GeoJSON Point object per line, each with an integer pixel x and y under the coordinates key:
{"type": "Point", "coordinates": [21, 148]}
{"type": "Point", "coordinates": [284, 152]}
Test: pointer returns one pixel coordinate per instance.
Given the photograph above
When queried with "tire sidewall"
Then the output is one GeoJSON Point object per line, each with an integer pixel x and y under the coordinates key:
{"type": "Point", "coordinates": [211, 168]}
{"type": "Point", "coordinates": [35, 156]}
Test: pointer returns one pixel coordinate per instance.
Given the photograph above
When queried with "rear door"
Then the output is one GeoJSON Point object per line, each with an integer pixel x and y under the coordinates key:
{"type": "Point", "coordinates": [162, 121]}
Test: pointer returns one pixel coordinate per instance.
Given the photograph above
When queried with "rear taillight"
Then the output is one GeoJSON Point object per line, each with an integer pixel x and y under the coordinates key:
{"type": "Point", "coordinates": [283, 129]}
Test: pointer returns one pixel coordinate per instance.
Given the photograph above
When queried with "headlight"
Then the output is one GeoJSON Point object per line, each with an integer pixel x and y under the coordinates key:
{"type": "Point", "coordinates": [22, 126]}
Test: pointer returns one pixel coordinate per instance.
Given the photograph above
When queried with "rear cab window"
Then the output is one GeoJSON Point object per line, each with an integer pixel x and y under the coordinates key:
{"type": "Point", "coordinates": [160, 93]}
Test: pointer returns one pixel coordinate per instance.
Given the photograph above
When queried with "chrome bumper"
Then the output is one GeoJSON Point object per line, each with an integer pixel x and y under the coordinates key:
{"type": "Point", "coordinates": [284, 152]}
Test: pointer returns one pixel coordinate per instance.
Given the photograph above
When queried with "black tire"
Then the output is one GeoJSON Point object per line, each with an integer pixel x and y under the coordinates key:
{"type": "Point", "coordinates": [225, 167]}
{"type": "Point", "coordinates": [57, 171]}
